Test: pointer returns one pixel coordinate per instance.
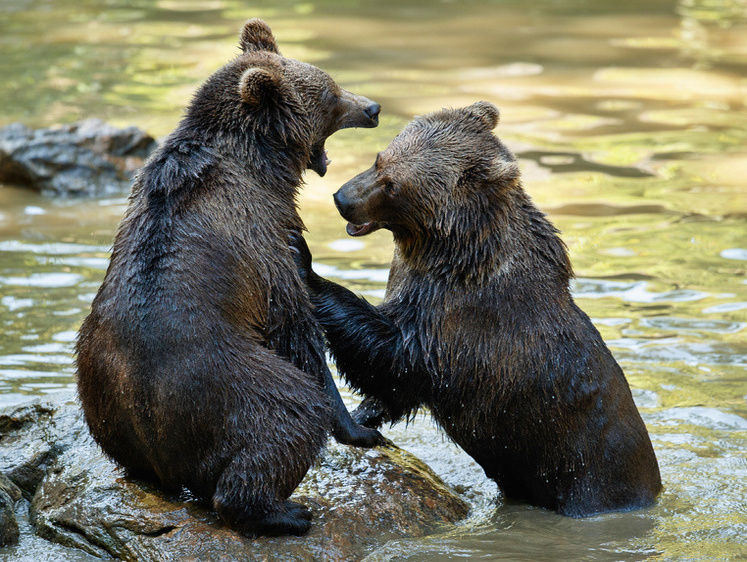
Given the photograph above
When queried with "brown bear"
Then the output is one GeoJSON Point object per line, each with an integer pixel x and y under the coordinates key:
{"type": "Point", "coordinates": [478, 323]}
{"type": "Point", "coordinates": [201, 364]}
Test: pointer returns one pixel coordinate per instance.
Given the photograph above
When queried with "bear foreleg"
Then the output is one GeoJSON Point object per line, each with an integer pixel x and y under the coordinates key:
{"type": "Point", "coordinates": [367, 346]}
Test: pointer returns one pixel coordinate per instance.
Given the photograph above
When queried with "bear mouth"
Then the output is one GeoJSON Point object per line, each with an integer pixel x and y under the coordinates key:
{"type": "Point", "coordinates": [318, 161]}
{"type": "Point", "coordinates": [361, 229]}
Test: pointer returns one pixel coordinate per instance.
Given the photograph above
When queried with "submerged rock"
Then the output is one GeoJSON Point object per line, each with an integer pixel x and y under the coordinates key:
{"type": "Point", "coordinates": [360, 498]}
{"type": "Point", "coordinates": [89, 158]}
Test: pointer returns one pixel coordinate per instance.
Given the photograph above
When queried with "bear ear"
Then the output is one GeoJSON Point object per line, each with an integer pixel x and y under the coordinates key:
{"type": "Point", "coordinates": [486, 111]}
{"type": "Point", "coordinates": [257, 36]}
{"type": "Point", "coordinates": [505, 171]}
{"type": "Point", "coordinates": [257, 85]}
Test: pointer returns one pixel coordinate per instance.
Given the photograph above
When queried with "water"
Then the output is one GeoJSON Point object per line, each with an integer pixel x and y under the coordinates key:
{"type": "Point", "coordinates": [630, 123]}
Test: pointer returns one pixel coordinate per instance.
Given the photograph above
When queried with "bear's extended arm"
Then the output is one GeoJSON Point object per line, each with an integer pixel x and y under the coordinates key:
{"type": "Point", "coordinates": [303, 345]}
{"type": "Point", "coordinates": [367, 346]}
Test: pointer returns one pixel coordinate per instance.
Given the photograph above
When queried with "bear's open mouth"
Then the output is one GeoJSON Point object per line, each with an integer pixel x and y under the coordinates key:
{"type": "Point", "coordinates": [361, 229]}
{"type": "Point", "coordinates": [318, 161]}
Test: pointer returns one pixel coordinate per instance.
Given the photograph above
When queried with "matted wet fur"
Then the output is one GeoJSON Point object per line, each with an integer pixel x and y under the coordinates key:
{"type": "Point", "coordinates": [201, 363]}
{"type": "Point", "coordinates": [478, 323]}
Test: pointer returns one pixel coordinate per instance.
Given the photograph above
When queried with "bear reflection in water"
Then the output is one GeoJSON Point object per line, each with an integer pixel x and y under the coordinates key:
{"type": "Point", "coordinates": [201, 364]}
{"type": "Point", "coordinates": [478, 323]}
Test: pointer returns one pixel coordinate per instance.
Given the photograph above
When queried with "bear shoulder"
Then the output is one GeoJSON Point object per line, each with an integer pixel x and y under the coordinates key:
{"type": "Point", "coordinates": [176, 167]}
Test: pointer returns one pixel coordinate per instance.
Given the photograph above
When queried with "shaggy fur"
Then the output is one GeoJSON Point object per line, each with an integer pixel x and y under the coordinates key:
{"type": "Point", "coordinates": [201, 363]}
{"type": "Point", "coordinates": [478, 323]}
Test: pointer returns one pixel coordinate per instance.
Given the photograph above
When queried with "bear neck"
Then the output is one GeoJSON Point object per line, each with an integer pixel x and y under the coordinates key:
{"type": "Point", "coordinates": [505, 238]}
{"type": "Point", "coordinates": [258, 147]}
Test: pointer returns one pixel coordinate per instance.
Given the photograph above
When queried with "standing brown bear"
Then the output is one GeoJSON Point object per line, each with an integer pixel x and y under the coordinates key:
{"type": "Point", "coordinates": [479, 325]}
{"type": "Point", "coordinates": [201, 363]}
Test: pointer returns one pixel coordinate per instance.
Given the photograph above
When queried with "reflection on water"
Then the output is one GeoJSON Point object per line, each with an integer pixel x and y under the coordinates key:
{"type": "Point", "coordinates": [630, 125]}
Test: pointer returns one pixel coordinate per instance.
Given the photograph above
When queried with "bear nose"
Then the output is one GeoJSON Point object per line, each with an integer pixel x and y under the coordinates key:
{"type": "Point", "coordinates": [341, 203]}
{"type": "Point", "coordinates": [373, 110]}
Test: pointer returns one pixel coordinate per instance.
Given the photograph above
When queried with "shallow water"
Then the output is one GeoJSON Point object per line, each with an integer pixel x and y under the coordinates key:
{"type": "Point", "coordinates": [630, 123]}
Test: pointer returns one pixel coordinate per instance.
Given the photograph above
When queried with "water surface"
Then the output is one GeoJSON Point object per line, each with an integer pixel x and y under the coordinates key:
{"type": "Point", "coordinates": [630, 124]}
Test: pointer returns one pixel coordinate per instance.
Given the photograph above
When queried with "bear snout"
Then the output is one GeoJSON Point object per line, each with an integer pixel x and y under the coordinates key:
{"type": "Point", "coordinates": [353, 197]}
{"type": "Point", "coordinates": [343, 205]}
{"type": "Point", "coordinates": [354, 202]}
{"type": "Point", "coordinates": [358, 111]}
{"type": "Point", "coordinates": [373, 111]}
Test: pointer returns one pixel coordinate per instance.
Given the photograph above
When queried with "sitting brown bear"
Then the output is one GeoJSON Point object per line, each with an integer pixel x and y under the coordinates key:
{"type": "Point", "coordinates": [201, 363]}
{"type": "Point", "coordinates": [478, 323]}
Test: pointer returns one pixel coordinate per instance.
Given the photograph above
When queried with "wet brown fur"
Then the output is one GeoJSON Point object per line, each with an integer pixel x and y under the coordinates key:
{"type": "Point", "coordinates": [201, 364]}
{"type": "Point", "coordinates": [478, 323]}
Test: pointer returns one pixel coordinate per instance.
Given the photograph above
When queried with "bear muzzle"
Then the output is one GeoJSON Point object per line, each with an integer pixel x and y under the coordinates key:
{"type": "Point", "coordinates": [352, 207]}
{"type": "Point", "coordinates": [357, 111]}
{"type": "Point", "coordinates": [373, 111]}
{"type": "Point", "coordinates": [352, 111]}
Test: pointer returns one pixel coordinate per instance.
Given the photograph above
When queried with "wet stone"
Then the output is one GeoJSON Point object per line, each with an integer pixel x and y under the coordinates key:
{"type": "Point", "coordinates": [8, 487]}
{"type": "Point", "coordinates": [88, 158]}
{"type": "Point", "coordinates": [360, 499]}
{"type": "Point", "coordinates": [33, 435]}
{"type": "Point", "coordinates": [9, 495]}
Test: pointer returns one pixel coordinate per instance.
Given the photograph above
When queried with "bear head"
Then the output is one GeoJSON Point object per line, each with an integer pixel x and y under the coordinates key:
{"type": "Point", "coordinates": [441, 173]}
{"type": "Point", "coordinates": [283, 105]}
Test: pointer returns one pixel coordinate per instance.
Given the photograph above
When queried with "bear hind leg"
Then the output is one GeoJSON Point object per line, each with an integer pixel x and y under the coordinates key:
{"type": "Point", "coordinates": [293, 519]}
{"type": "Point", "coordinates": [249, 500]}
{"type": "Point", "coordinates": [280, 518]}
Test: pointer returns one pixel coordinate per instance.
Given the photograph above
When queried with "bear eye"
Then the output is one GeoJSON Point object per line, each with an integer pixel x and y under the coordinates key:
{"type": "Point", "coordinates": [390, 189]}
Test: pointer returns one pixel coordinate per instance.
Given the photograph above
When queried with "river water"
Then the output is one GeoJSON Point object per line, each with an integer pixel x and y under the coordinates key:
{"type": "Point", "coordinates": [630, 123]}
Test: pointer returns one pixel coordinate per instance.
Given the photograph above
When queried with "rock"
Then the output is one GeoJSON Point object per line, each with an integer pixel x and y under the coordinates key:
{"type": "Point", "coordinates": [9, 495]}
{"type": "Point", "coordinates": [7, 486]}
{"type": "Point", "coordinates": [8, 524]}
{"type": "Point", "coordinates": [33, 435]}
{"type": "Point", "coordinates": [360, 499]}
{"type": "Point", "coordinates": [89, 158]}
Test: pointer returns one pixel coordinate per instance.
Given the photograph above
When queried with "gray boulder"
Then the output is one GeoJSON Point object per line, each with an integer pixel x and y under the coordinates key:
{"type": "Point", "coordinates": [88, 158]}
{"type": "Point", "coordinates": [360, 498]}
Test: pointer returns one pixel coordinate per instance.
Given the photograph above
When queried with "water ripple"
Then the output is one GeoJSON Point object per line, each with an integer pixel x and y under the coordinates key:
{"type": "Point", "coordinates": [367, 274]}
{"type": "Point", "coordinates": [711, 418]}
{"type": "Point", "coordinates": [692, 325]}
{"type": "Point", "coordinates": [637, 291]}
{"type": "Point", "coordinates": [45, 280]}
{"type": "Point", "coordinates": [51, 248]}
{"type": "Point", "coordinates": [734, 254]}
